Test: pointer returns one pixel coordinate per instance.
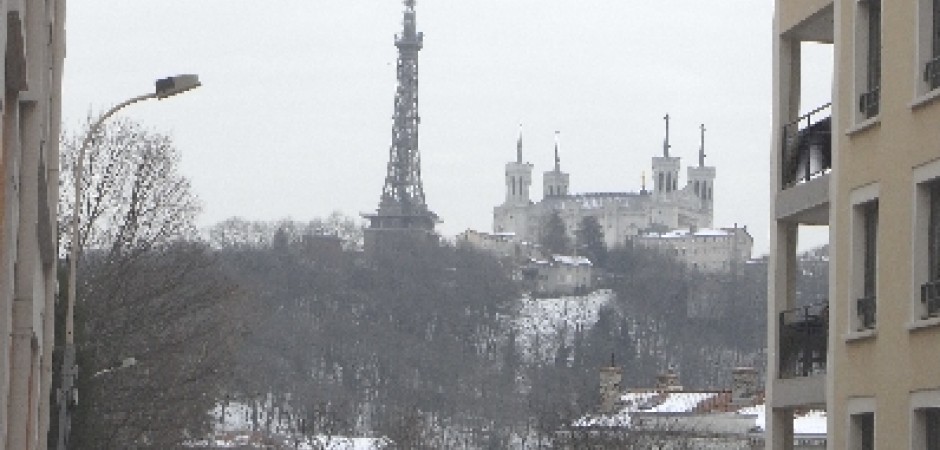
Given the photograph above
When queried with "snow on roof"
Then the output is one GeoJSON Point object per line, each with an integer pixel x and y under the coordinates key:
{"type": "Point", "coordinates": [681, 233]}
{"type": "Point", "coordinates": [571, 260]}
{"type": "Point", "coordinates": [813, 422]}
{"type": "Point", "coordinates": [346, 443]}
{"type": "Point", "coordinates": [681, 402]}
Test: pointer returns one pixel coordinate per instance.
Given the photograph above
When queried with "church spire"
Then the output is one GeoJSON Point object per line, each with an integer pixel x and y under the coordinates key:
{"type": "Point", "coordinates": [666, 140]}
{"type": "Point", "coordinates": [701, 150]}
{"type": "Point", "coordinates": [519, 146]}
{"type": "Point", "coordinates": [557, 159]}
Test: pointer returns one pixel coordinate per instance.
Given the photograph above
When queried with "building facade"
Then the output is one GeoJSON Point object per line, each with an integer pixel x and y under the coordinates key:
{"type": "Point", "coordinates": [620, 214]}
{"type": "Point", "coordinates": [869, 167]}
{"type": "Point", "coordinates": [720, 250]}
{"type": "Point", "coordinates": [33, 40]}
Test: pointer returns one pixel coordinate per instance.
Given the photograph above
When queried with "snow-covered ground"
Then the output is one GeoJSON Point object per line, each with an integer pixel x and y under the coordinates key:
{"type": "Point", "coordinates": [541, 322]}
{"type": "Point", "coordinates": [239, 425]}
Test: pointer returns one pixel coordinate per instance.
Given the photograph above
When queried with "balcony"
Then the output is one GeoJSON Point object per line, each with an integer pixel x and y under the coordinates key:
{"type": "Point", "coordinates": [807, 147]}
{"type": "Point", "coordinates": [930, 298]}
{"type": "Point", "coordinates": [865, 308]}
{"type": "Point", "coordinates": [804, 333]}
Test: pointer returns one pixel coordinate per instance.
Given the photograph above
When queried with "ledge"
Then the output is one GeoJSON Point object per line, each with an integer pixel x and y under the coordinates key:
{"type": "Point", "coordinates": [920, 324]}
{"type": "Point", "coordinates": [925, 99]}
{"type": "Point", "coordinates": [859, 335]}
{"type": "Point", "coordinates": [863, 125]}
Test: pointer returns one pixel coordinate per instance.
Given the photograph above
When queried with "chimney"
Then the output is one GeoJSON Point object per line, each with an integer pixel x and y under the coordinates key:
{"type": "Point", "coordinates": [610, 378]}
{"type": "Point", "coordinates": [743, 386]}
{"type": "Point", "coordinates": [668, 382]}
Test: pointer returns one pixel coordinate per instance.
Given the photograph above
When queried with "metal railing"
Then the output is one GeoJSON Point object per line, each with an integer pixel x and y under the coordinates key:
{"type": "Point", "coordinates": [803, 333]}
{"type": "Point", "coordinates": [930, 298]}
{"type": "Point", "coordinates": [869, 103]}
{"type": "Point", "coordinates": [865, 308]}
{"type": "Point", "coordinates": [807, 147]}
{"type": "Point", "coordinates": [932, 73]}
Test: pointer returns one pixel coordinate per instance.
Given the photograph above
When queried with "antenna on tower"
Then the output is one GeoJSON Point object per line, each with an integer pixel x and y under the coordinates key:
{"type": "Point", "coordinates": [666, 140]}
{"type": "Point", "coordinates": [557, 159]}
{"type": "Point", "coordinates": [701, 151]}
{"type": "Point", "coordinates": [519, 145]}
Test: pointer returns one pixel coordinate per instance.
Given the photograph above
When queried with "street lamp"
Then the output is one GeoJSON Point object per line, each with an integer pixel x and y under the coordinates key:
{"type": "Point", "coordinates": [165, 87]}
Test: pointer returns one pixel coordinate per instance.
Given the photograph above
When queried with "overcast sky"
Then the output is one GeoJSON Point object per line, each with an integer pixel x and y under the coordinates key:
{"type": "Point", "coordinates": [294, 118]}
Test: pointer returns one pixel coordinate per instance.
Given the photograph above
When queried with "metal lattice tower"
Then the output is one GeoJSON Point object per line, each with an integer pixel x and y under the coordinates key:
{"type": "Point", "coordinates": [402, 205]}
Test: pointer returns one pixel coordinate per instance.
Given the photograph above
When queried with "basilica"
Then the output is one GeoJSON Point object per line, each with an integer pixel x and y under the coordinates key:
{"type": "Point", "coordinates": [622, 215]}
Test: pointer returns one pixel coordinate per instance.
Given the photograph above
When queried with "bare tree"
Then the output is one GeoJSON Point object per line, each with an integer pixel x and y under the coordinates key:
{"type": "Point", "coordinates": [155, 316]}
{"type": "Point", "coordinates": [134, 197]}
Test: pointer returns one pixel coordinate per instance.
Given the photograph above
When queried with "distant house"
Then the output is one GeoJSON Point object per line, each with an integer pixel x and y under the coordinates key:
{"type": "Point", "coordinates": [708, 250]}
{"type": "Point", "coordinates": [501, 245]}
{"type": "Point", "coordinates": [560, 274]}
{"type": "Point", "coordinates": [670, 416]}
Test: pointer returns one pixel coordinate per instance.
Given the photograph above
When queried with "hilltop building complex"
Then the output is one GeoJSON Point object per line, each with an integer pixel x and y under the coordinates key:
{"type": "Point", "coordinates": [676, 221]}
{"type": "Point", "coordinates": [620, 214]}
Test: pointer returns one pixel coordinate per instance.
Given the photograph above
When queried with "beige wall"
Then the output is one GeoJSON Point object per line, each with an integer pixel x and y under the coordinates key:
{"type": "Point", "coordinates": [894, 361]}
{"type": "Point", "coordinates": [33, 39]}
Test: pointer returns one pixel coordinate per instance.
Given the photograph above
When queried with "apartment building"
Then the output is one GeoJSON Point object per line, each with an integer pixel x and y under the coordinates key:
{"type": "Point", "coordinates": [868, 166]}
{"type": "Point", "coordinates": [33, 39]}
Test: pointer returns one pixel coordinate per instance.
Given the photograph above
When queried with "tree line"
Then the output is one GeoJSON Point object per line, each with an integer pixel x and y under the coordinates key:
{"type": "Point", "coordinates": [414, 342]}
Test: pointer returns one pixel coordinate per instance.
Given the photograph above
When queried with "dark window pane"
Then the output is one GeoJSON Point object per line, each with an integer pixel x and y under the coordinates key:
{"type": "Point", "coordinates": [932, 429]}
{"type": "Point", "coordinates": [933, 232]}
{"type": "Point", "coordinates": [866, 427]}
{"type": "Point", "coordinates": [871, 235]}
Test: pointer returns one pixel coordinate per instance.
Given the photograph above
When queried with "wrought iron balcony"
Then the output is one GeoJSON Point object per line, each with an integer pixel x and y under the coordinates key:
{"type": "Point", "coordinates": [865, 308]}
{"type": "Point", "coordinates": [807, 147]}
{"type": "Point", "coordinates": [932, 73]}
{"type": "Point", "coordinates": [930, 297]}
{"type": "Point", "coordinates": [869, 103]}
{"type": "Point", "coordinates": [803, 332]}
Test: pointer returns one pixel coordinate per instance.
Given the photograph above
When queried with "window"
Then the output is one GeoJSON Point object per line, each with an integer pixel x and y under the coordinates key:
{"type": "Point", "coordinates": [864, 258]}
{"type": "Point", "coordinates": [928, 45]}
{"type": "Point", "coordinates": [868, 57]}
{"type": "Point", "coordinates": [861, 423]}
{"type": "Point", "coordinates": [863, 431]}
{"type": "Point", "coordinates": [925, 249]}
{"type": "Point", "coordinates": [925, 420]}
{"type": "Point", "coordinates": [930, 290]}
{"type": "Point", "coordinates": [866, 304]}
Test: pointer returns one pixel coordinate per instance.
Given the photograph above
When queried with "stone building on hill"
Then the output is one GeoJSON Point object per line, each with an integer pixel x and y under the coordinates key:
{"type": "Point", "coordinates": [667, 206]}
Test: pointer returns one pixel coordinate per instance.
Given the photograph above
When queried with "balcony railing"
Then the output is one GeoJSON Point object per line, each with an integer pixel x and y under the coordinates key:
{"type": "Point", "coordinates": [932, 73]}
{"type": "Point", "coordinates": [865, 308]}
{"type": "Point", "coordinates": [930, 298]}
{"type": "Point", "coordinates": [804, 333]}
{"type": "Point", "coordinates": [807, 147]}
{"type": "Point", "coordinates": [869, 103]}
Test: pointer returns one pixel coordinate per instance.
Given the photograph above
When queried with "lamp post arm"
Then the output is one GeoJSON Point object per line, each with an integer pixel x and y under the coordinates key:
{"type": "Point", "coordinates": [77, 181]}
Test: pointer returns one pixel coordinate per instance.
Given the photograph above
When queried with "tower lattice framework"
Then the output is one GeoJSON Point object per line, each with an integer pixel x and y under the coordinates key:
{"type": "Point", "coordinates": [402, 205]}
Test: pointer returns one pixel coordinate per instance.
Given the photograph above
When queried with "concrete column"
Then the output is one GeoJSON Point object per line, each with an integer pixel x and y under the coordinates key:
{"type": "Point", "coordinates": [779, 429]}
{"type": "Point", "coordinates": [29, 297]}
{"type": "Point", "coordinates": [10, 213]}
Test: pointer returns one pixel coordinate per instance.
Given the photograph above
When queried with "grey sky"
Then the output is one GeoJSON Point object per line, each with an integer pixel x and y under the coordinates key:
{"type": "Point", "coordinates": [294, 118]}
